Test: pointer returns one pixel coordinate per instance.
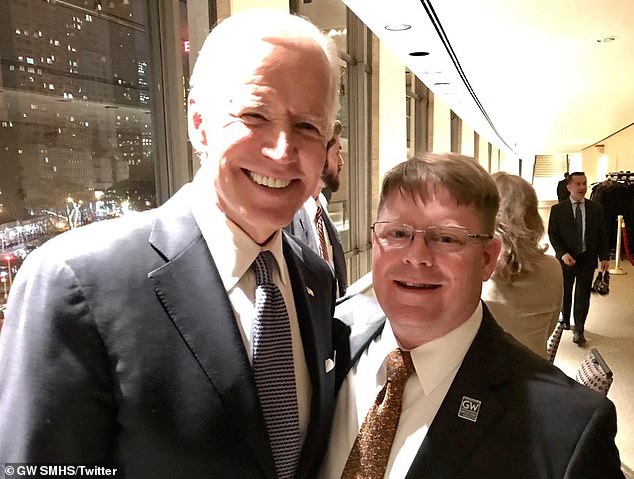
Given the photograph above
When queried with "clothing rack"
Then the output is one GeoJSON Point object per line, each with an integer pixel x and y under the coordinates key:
{"type": "Point", "coordinates": [623, 176]}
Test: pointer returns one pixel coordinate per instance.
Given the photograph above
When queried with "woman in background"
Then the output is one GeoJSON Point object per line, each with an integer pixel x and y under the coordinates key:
{"type": "Point", "coordinates": [526, 290]}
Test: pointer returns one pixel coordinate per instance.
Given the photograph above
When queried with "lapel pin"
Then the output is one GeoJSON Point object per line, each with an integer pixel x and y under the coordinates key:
{"type": "Point", "coordinates": [310, 291]}
{"type": "Point", "coordinates": [330, 363]}
{"type": "Point", "coordinates": [469, 408]}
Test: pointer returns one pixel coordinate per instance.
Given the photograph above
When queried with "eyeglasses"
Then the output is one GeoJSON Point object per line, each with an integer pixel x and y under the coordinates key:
{"type": "Point", "coordinates": [390, 234]}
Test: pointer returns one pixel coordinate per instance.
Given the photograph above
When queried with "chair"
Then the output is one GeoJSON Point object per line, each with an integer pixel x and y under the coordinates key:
{"type": "Point", "coordinates": [594, 373]}
{"type": "Point", "coordinates": [553, 342]}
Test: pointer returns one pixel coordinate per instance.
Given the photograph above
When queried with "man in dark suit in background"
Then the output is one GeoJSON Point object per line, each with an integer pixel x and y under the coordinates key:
{"type": "Point", "coordinates": [562, 188]}
{"type": "Point", "coordinates": [474, 403]}
{"type": "Point", "coordinates": [576, 230]}
{"type": "Point", "coordinates": [134, 341]}
{"type": "Point", "coordinates": [306, 222]}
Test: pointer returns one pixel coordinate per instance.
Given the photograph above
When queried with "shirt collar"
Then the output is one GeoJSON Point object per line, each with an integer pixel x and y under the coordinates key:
{"type": "Point", "coordinates": [310, 206]}
{"type": "Point", "coordinates": [434, 360]}
{"type": "Point", "coordinates": [233, 251]}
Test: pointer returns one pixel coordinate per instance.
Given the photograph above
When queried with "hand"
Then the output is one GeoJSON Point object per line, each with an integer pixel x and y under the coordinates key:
{"type": "Point", "coordinates": [605, 265]}
{"type": "Point", "coordinates": [568, 260]}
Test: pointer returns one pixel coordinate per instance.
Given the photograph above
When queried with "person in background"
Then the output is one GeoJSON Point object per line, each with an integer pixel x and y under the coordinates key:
{"type": "Point", "coordinates": [462, 399]}
{"type": "Point", "coordinates": [146, 341]}
{"type": "Point", "coordinates": [576, 230]}
{"type": "Point", "coordinates": [562, 188]}
{"type": "Point", "coordinates": [525, 291]}
{"type": "Point", "coordinates": [312, 223]}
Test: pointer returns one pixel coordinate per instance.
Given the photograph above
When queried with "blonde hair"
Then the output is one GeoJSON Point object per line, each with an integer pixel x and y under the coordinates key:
{"type": "Point", "coordinates": [466, 181]}
{"type": "Point", "coordinates": [519, 227]}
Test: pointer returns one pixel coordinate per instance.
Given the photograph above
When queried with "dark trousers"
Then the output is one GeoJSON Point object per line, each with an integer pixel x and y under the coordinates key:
{"type": "Point", "coordinates": [579, 275]}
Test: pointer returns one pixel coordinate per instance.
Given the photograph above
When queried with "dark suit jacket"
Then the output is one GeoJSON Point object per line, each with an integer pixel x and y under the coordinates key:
{"type": "Point", "coordinates": [563, 236]}
{"type": "Point", "coordinates": [301, 228]}
{"type": "Point", "coordinates": [121, 346]}
{"type": "Point", "coordinates": [532, 422]}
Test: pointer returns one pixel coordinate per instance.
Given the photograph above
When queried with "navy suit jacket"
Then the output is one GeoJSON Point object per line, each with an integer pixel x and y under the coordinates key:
{"type": "Point", "coordinates": [562, 232]}
{"type": "Point", "coordinates": [301, 228]}
{"type": "Point", "coordinates": [121, 346]}
{"type": "Point", "coordinates": [532, 421]}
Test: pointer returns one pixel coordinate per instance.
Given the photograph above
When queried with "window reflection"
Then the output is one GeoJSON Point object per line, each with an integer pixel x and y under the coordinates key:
{"type": "Point", "coordinates": [75, 117]}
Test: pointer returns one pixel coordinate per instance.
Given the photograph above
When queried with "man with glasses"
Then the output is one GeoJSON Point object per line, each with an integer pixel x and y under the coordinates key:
{"type": "Point", "coordinates": [455, 395]}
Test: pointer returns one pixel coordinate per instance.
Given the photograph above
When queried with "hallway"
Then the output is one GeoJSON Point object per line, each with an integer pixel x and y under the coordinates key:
{"type": "Point", "coordinates": [609, 329]}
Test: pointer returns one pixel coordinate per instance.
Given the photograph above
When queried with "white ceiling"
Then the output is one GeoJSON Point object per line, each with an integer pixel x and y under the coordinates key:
{"type": "Point", "coordinates": [529, 75]}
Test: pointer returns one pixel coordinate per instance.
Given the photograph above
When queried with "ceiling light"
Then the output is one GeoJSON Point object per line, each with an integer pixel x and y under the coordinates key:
{"type": "Point", "coordinates": [397, 27]}
{"type": "Point", "coordinates": [418, 54]}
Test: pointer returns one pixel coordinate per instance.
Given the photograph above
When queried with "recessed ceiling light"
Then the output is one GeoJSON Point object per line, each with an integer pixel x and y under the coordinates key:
{"type": "Point", "coordinates": [606, 39]}
{"type": "Point", "coordinates": [418, 54]}
{"type": "Point", "coordinates": [397, 27]}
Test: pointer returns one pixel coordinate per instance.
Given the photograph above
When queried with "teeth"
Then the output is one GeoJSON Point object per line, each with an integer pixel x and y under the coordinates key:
{"type": "Point", "coordinates": [268, 181]}
{"type": "Point", "coordinates": [416, 285]}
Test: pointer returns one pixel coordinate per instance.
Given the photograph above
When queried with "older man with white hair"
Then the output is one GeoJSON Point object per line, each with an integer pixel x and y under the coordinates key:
{"type": "Point", "coordinates": [194, 340]}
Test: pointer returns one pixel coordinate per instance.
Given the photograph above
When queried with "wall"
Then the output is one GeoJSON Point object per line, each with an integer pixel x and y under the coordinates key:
{"type": "Point", "coordinates": [619, 150]}
{"type": "Point", "coordinates": [391, 120]}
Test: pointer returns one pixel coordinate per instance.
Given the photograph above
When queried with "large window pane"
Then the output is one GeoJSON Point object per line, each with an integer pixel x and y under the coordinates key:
{"type": "Point", "coordinates": [75, 116]}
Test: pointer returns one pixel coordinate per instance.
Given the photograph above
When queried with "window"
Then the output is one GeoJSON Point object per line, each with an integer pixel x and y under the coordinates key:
{"type": "Point", "coordinates": [77, 156]}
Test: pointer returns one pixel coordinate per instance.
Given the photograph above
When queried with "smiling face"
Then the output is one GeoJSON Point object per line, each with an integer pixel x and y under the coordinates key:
{"type": "Point", "coordinates": [427, 294]}
{"type": "Point", "coordinates": [266, 144]}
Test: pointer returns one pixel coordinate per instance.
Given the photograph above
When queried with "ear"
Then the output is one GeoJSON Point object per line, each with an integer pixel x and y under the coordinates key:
{"type": "Point", "coordinates": [196, 125]}
{"type": "Point", "coordinates": [490, 257]}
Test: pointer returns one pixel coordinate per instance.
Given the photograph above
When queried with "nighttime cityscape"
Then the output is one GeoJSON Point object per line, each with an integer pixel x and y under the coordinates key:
{"type": "Point", "coordinates": [75, 120]}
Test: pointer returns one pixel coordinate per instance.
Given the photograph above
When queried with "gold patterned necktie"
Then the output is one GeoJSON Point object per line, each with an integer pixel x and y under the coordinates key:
{"type": "Point", "coordinates": [371, 450]}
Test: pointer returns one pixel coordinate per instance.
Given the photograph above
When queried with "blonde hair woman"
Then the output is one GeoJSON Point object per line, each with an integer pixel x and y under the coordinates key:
{"type": "Point", "coordinates": [526, 290]}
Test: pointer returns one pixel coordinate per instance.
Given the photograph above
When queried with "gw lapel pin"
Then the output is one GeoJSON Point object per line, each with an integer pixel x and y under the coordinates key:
{"type": "Point", "coordinates": [469, 408]}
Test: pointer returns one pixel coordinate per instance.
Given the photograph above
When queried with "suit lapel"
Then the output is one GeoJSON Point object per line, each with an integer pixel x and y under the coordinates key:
{"type": "Point", "coordinates": [451, 439]}
{"type": "Point", "coordinates": [203, 316]}
{"type": "Point", "coordinates": [338, 257]}
{"type": "Point", "coordinates": [318, 347]}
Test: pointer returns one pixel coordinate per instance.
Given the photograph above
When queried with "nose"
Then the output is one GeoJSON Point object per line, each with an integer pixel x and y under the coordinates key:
{"type": "Point", "coordinates": [417, 252]}
{"type": "Point", "coordinates": [280, 147]}
{"type": "Point", "coordinates": [340, 161]}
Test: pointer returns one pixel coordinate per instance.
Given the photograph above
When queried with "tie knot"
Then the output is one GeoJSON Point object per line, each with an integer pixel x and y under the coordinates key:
{"type": "Point", "coordinates": [263, 267]}
{"type": "Point", "coordinates": [318, 213]}
{"type": "Point", "coordinates": [399, 365]}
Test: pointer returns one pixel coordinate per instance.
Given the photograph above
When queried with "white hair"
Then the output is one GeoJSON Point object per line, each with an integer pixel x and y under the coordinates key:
{"type": "Point", "coordinates": [227, 51]}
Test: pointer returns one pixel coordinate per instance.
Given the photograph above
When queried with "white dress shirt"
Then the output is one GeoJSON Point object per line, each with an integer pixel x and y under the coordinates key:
{"type": "Point", "coordinates": [436, 364]}
{"type": "Point", "coordinates": [233, 252]}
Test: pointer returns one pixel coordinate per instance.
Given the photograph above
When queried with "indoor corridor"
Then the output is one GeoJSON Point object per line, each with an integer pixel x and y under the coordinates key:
{"type": "Point", "coordinates": [610, 329]}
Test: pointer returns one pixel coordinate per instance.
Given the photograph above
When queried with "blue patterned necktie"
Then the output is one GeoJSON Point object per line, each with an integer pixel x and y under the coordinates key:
{"type": "Point", "coordinates": [273, 368]}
